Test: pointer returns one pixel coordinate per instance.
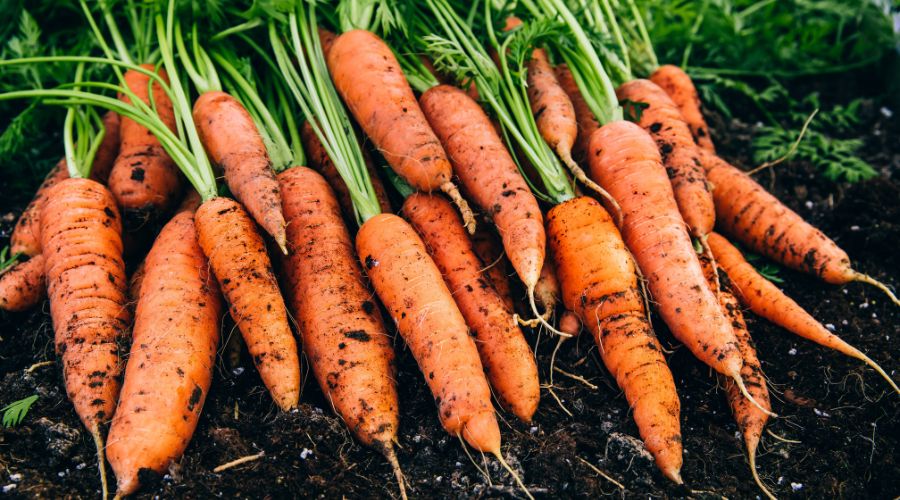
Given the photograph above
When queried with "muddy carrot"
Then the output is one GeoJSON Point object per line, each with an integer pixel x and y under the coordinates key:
{"type": "Point", "coordinates": [681, 89]}
{"type": "Point", "coordinates": [489, 248]}
{"type": "Point", "coordinates": [587, 122]}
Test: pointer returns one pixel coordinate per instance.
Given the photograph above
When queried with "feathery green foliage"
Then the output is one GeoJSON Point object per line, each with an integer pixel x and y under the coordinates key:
{"type": "Point", "coordinates": [15, 412]}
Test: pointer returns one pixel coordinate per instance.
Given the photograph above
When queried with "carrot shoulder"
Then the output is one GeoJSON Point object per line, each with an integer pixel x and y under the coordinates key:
{"type": "Point", "coordinates": [171, 363]}
{"type": "Point", "coordinates": [681, 89]}
{"type": "Point", "coordinates": [23, 286]}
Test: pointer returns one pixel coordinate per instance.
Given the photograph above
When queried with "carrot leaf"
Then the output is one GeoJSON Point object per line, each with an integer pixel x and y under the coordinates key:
{"type": "Point", "coordinates": [15, 412]}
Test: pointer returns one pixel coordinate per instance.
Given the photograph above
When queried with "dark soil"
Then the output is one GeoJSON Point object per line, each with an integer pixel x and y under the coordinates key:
{"type": "Point", "coordinates": [841, 417]}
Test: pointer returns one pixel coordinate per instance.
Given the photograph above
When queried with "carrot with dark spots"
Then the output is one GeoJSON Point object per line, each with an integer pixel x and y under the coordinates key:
{"type": "Point", "coordinates": [489, 248]}
{"type": "Point", "coordinates": [679, 86]}
{"type": "Point", "coordinates": [584, 117]}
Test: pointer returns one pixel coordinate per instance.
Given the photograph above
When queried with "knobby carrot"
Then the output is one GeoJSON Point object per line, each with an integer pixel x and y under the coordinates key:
{"type": "Point", "coordinates": [171, 363]}
{"type": "Point", "coordinates": [506, 356]}
{"type": "Point", "coordinates": [584, 117]}
{"type": "Point", "coordinates": [599, 284]}
{"type": "Point", "coordinates": [371, 82]}
{"type": "Point", "coordinates": [23, 286]}
{"type": "Point", "coordinates": [759, 220]}
{"type": "Point", "coordinates": [681, 89]}
{"type": "Point", "coordinates": [767, 301]}
{"type": "Point", "coordinates": [237, 256]}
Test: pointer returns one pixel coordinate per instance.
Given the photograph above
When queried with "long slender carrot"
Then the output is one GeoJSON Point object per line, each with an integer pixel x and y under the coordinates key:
{"type": "Point", "coordinates": [759, 220]}
{"type": "Point", "coordinates": [587, 122]}
{"type": "Point", "coordinates": [489, 248]}
{"type": "Point", "coordinates": [237, 256]}
{"type": "Point", "coordinates": [144, 179]}
{"type": "Point", "coordinates": [171, 363]}
{"type": "Point", "coordinates": [767, 301]}
{"type": "Point", "coordinates": [233, 142]}
{"type": "Point", "coordinates": [506, 356]}
{"type": "Point", "coordinates": [369, 78]}
{"type": "Point", "coordinates": [490, 176]}
{"type": "Point", "coordinates": [599, 284]}
{"type": "Point", "coordinates": [23, 286]}
{"type": "Point", "coordinates": [681, 89]}
{"type": "Point", "coordinates": [665, 124]}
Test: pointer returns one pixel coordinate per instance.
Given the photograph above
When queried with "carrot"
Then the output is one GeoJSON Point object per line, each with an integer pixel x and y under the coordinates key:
{"type": "Point", "coordinates": [599, 284]}
{"type": "Point", "coordinates": [570, 323]}
{"type": "Point", "coordinates": [106, 154]}
{"type": "Point", "coordinates": [625, 160]}
{"type": "Point", "coordinates": [490, 176]}
{"type": "Point", "coordinates": [586, 121]}
{"type": "Point", "coordinates": [767, 301]}
{"type": "Point", "coordinates": [489, 248]}
{"type": "Point", "coordinates": [136, 281]}
{"type": "Point", "coordinates": [663, 121]}
{"type": "Point", "coordinates": [681, 89]}
{"type": "Point", "coordinates": [82, 244]}
{"type": "Point", "coordinates": [759, 220]}
{"type": "Point", "coordinates": [144, 179]}
{"type": "Point", "coordinates": [368, 77]}
{"type": "Point", "coordinates": [319, 160]}
{"type": "Point", "coordinates": [343, 335]}
{"type": "Point", "coordinates": [23, 286]}
{"type": "Point", "coordinates": [547, 291]}
{"type": "Point", "coordinates": [507, 358]}
{"type": "Point", "coordinates": [237, 256]}
{"type": "Point", "coordinates": [170, 366]}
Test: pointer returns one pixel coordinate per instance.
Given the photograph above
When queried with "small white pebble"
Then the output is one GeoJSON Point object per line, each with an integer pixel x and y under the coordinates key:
{"type": "Point", "coordinates": [793, 351]}
{"type": "Point", "coordinates": [61, 474]}
{"type": "Point", "coordinates": [854, 228]}
{"type": "Point", "coordinates": [821, 413]}
{"type": "Point", "coordinates": [9, 487]}
{"type": "Point", "coordinates": [237, 371]}
{"type": "Point", "coordinates": [737, 435]}
{"type": "Point", "coordinates": [305, 453]}
{"type": "Point", "coordinates": [438, 479]}
{"type": "Point", "coordinates": [458, 465]}
{"type": "Point", "coordinates": [845, 291]}
{"type": "Point", "coordinates": [15, 477]}
{"type": "Point", "coordinates": [845, 322]}
{"type": "Point", "coordinates": [796, 487]}
{"type": "Point", "coordinates": [864, 305]}
{"type": "Point", "coordinates": [874, 315]}
{"type": "Point", "coordinates": [80, 466]}
{"type": "Point", "coordinates": [809, 204]}
{"type": "Point", "coordinates": [417, 439]}
{"type": "Point", "coordinates": [830, 326]}
{"type": "Point", "coordinates": [533, 430]}
{"type": "Point", "coordinates": [886, 112]}
{"type": "Point", "coordinates": [780, 479]}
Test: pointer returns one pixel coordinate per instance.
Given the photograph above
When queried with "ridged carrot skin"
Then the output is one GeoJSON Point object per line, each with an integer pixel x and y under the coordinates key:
{"type": "Point", "coordinates": [233, 142]}
{"type": "Point", "coordinates": [410, 285]}
{"type": "Point", "coordinates": [599, 283]}
{"type": "Point", "coordinates": [344, 337]}
{"type": "Point", "coordinates": [489, 248]}
{"type": "Point", "coordinates": [681, 89]}
{"type": "Point", "coordinates": [584, 117]}
{"type": "Point", "coordinates": [144, 179]}
{"type": "Point", "coordinates": [82, 244]}
{"type": "Point", "coordinates": [23, 286]}
{"type": "Point", "coordinates": [238, 258]}
{"type": "Point", "coordinates": [489, 175]}
{"type": "Point", "coordinates": [506, 356]}
{"type": "Point", "coordinates": [626, 162]}
{"type": "Point", "coordinates": [170, 367]}
{"type": "Point", "coordinates": [552, 107]}
{"type": "Point", "coordinates": [665, 124]}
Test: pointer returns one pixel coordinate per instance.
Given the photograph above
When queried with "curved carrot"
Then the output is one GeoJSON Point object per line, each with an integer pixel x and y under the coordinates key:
{"type": "Point", "coordinates": [171, 363]}
{"type": "Point", "coordinates": [665, 124]}
{"type": "Point", "coordinates": [681, 89]}
{"type": "Point", "coordinates": [237, 256]}
{"type": "Point", "coordinates": [584, 117]}
{"type": "Point", "coordinates": [369, 78]}
{"type": "Point", "coordinates": [599, 283]}
{"type": "Point", "coordinates": [233, 142]}
{"type": "Point", "coordinates": [507, 358]}
{"type": "Point", "coordinates": [410, 285]}
{"type": "Point", "coordinates": [490, 176]}
{"type": "Point", "coordinates": [767, 301]}
{"type": "Point", "coordinates": [144, 179]}
{"type": "Point", "coordinates": [23, 286]}
{"type": "Point", "coordinates": [343, 335]}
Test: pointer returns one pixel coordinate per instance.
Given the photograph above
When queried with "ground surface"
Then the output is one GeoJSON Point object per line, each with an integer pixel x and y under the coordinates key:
{"type": "Point", "coordinates": [841, 415]}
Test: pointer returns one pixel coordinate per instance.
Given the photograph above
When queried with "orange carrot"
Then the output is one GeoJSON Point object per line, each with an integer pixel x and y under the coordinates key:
{"type": "Point", "coordinates": [599, 284]}
{"type": "Point", "coordinates": [757, 219]}
{"type": "Point", "coordinates": [767, 301]}
{"type": "Point", "coordinates": [681, 89]}
{"type": "Point", "coordinates": [547, 291]}
{"type": "Point", "coordinates": [507, 358]}
{"type": "Point", "coordinates": [234, 143]}
{"type": "Point", "coordinates": [490, 176]}
{"type": "Point", "coordinates": [584, 117]}
{"type": "Point", "coordinates": [489, 248]}
{"type": "Point", "coordinates": [570, 323]}
{"type": "Point", "coordinates": [23, 286]}
{"type": "Point", "coordinates": [171, 363]}
{"type": "Point", "coordinates": [665, 124]}
{"type": "Point", "coordinates": [144, 179]}
{"type": "Point", "coordinates": [369, 78]}
{"type": "Point", "coordinates": [237, 256]}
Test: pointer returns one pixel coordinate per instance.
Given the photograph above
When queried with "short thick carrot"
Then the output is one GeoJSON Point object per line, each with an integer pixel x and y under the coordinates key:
{"type": "Point", "coordinates": [344, 337]}
{"type": "Point", "coordinates": [489, 175]}
{"type": "Point", "coordinates": [410, 285]}
{"type": "Point", "coordinates": [173, 353]}
{"type": "Point", "coordinates": [237, 256]}
{"type": "Point", "coordinates": [506, 356]}
{"type": "Point", "coordinates": [584, 117]}
{"type": "Point", "coordinates": [625, 160]}
{"type": "Point", "coordinates": [23, 286]}
{"type": "Point", "coordinates": [767, 301]}
{"type": "Point", "coordinates": [665, 124]}
{"type": "Point", "coordinates": [371, 82]}
{"type": "Point", "coordinates": [599, 283]}
{"type": "Point", "coordinates": [234, 143]}
{"type": "Point", "coordinates": [681, 89]}
{"type": "Point", "coordinates": [144, 179]}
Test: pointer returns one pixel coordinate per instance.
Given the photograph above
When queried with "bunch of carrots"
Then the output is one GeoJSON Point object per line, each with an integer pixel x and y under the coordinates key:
{"type": "Point", "coordinates": [507, 150]}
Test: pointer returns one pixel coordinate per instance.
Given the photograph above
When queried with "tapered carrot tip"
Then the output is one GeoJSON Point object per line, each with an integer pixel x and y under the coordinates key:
{"type": "Point", "coordinates": [483, 433]}
{"type": "Point", "coordinates": [865, 278]}
{"type": "Point", "coordinates": [673, 474]}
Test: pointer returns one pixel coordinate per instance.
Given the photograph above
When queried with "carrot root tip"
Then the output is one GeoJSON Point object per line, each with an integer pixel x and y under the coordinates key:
{"type": "Point", "coordinates": [452, 191]}
{"type": "Point", "coordinates": [540, 318]}
{"type": "Point", "coordinates": [875, 366]}
{"type": "Point", "coordinates": [752, 458]}
{"type": "Point", "coordinates": [101, 460]}
{"type": "Point", "coordinates": [391, 457]}
{"type": "Point", "coordinates": [513, 474]}
{"type": "Point", "coordinates": [740, 383]}
{"type": "Point", "coordinates": [865, 278]}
